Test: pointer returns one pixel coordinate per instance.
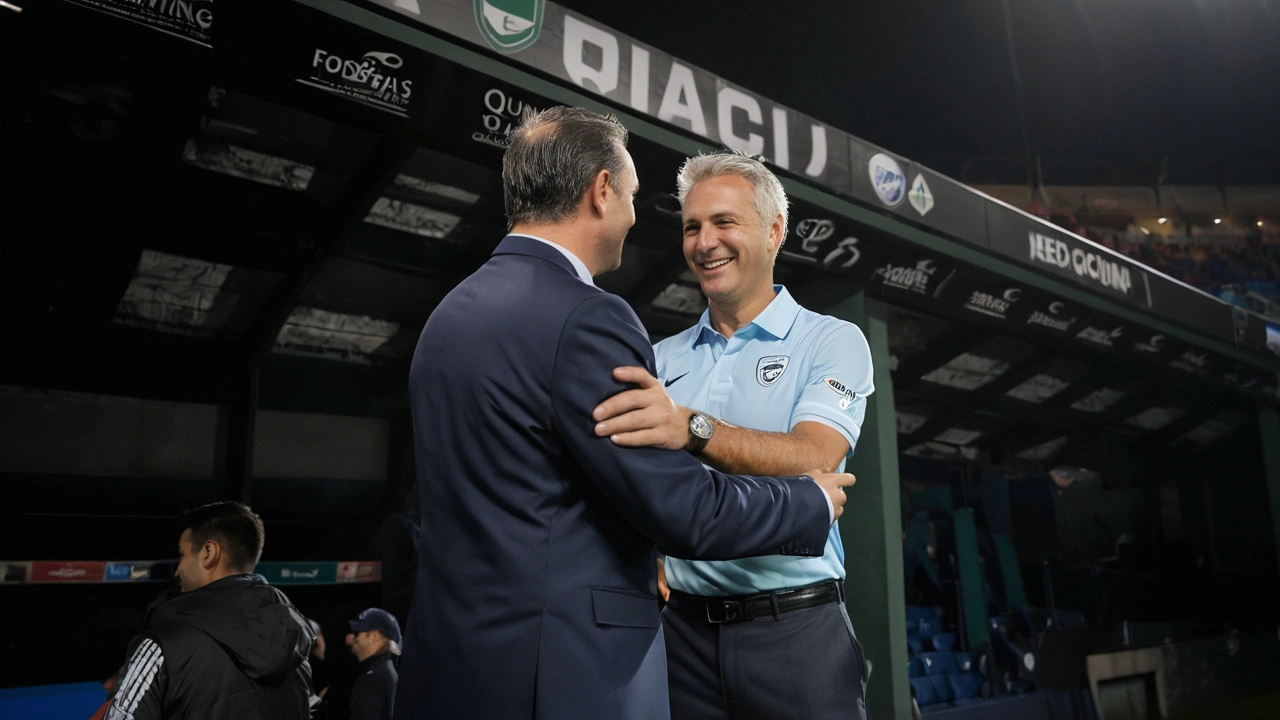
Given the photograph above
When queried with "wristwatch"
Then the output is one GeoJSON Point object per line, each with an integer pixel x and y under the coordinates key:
{"type": "Point", "coordinates": [700, 429]}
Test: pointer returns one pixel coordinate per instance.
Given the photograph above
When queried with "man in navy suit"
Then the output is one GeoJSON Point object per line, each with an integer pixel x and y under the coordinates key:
{"type": "Point", "coordinates": [536, 584]}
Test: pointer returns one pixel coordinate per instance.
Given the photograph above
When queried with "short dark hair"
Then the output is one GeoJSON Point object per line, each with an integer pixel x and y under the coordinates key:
{"type": "Point", "coordinates": [553, 156]}
{"type": "Point", "coordinates": [236, 528]}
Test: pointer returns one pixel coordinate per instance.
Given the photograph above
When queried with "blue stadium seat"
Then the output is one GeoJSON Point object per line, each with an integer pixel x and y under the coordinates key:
{"type": "Point", "coordinates": [914, 644]}
{"type": "Point", "coordinates": [924, 691]}
{"type": "Point", "coordinates": [930, 625]}
{"type": "Point", "coordinates": [942, 685]}
{"type": "Point", "coordinates": [915, 612]}
{"type": "Point", "coordinates": [965, 661]}
{"type": "Point", "coordinates": [944, 641]}
{"type": "Point", "coordinates": [939, 663]}
{"type": "Point", "coordinates": [915, 667]}
{"type": "Point", "coordinates": [965, 686]}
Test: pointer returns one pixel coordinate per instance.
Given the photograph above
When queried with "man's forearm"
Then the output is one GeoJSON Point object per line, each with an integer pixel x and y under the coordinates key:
{"type": "Point", "coordinates": [735, 449]}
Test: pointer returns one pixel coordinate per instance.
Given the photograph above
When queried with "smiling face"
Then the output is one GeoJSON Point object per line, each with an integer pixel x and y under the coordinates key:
{"type": "Point", "coordinates": [726, 244]}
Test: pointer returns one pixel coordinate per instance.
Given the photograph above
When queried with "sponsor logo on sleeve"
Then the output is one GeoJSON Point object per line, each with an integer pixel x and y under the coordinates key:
{"type": "Point", "coordinates": [770, 369]}
{"type": "Point", "coordinates": [847, 396]}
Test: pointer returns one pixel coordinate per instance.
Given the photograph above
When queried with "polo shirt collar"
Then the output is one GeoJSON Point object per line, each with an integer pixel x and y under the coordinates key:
{"type": "Point", "coordinates": [776, 319]}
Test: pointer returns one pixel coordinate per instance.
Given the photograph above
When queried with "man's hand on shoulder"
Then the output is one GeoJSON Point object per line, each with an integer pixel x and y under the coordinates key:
{"type": "Point", "coordinates": [644, 416]}
{"type": "Point", "coordinates": [833, 484]}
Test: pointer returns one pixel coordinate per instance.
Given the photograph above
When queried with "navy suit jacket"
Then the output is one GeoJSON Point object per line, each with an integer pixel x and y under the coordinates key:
{"type": "Point", "coordinates": [535, 589]}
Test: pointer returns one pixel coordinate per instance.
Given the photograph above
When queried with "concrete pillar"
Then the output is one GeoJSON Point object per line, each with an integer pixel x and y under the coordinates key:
{"type": "Point", "coordinates": [871, 528]}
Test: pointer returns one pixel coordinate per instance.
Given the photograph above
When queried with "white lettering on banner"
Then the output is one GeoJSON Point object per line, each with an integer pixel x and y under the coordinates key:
{"type": "Point", "coordinates": [681, 104]}
{"type": "Point", "coordinates": [988, 304]}
{"type": "Point", "coordinates": [1106, 272]}
{"type": "Point", "coordinates": [577, 35]}
{"type": "Point", "coordinates": [903, 277]}
{"type": "Point", "coordinates": [504, 113]}
{"type": "Point", "coordinates": [781, 144]}
{"type": "Point", "coordinates": [730, 99]}
{"type": "Point", "coordinates": [364, 79]}
{"type": "Point", "coordinates": [640, 79]}
{"type": "Point", "coordinates": [818, 157]}
{"type": "Point", "coordinates": [680, 100]}
{"type": "Point", "coordinates": [1049, 321]}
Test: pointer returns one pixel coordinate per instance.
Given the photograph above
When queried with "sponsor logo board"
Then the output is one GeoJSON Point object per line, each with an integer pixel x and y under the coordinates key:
{"type": "Point", "coordinates": [45, 571]}
{"type": "Point", "coordinates": [374, 78]}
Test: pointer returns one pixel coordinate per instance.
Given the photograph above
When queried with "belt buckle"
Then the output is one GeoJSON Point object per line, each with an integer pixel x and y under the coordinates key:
{"type": "Point", "coordinates": [732, 612]}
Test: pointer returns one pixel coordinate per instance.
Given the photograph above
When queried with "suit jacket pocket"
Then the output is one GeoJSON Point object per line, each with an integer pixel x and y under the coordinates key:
{"type": "Point", "coordinates": [624, 608]}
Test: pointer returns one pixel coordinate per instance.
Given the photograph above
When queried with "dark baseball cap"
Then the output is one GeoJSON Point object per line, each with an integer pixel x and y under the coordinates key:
{"type": "Point", "coordinates": [380, 620]}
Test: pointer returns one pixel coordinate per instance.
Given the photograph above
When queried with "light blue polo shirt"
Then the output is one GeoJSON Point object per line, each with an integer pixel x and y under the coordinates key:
{"type": "Point", "coordinates": [787, 366]}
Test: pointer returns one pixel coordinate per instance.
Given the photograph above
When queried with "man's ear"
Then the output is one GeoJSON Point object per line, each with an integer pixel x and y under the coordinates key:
{"type": "Point", "coordinates": [210, 554]}
{"type": "Point", "coordinates": [775, 235]}
{"type": "Point", "coordinates": [600, 192]}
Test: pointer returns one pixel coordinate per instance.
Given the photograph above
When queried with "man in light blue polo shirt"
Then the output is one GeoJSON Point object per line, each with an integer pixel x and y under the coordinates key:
{"type": "Point", "coordinates": [759, 385]}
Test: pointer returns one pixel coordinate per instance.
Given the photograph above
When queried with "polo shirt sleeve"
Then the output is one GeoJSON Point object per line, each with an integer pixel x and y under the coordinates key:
{"type": "Point", "coordinates": [840, 379]}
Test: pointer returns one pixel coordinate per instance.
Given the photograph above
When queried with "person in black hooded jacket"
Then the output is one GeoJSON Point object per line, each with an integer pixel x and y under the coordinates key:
{"type": "Point", "coordinates": [230, 647]}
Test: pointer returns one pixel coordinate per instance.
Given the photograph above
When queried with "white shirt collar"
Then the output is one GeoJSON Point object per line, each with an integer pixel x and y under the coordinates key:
{"type": "Point", "coordinates": [578, 265]}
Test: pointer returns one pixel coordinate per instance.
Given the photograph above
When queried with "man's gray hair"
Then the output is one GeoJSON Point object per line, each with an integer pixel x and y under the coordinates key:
{"type": "Point", "coordinates": [553, 156]}
{"type": "Point", "coordinates": [767, 193]}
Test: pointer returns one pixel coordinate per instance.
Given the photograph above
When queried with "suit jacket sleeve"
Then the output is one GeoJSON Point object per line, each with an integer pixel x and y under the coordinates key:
{"type": "Point", "coordinates": [690, 511]}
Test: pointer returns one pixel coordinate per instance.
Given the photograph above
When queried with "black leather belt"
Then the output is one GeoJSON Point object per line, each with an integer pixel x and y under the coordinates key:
{"type": "Point", "coordinates": [742, 608]}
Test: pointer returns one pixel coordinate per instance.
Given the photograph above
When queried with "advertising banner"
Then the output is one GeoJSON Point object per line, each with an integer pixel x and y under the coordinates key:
{"type": "Point", "coordinates": [1043, 246]}
{"type": "Point", "coordinates": [605, 62]}
{"type": "Point", "coordinates": [362, 571]}
{"type": "Point", "coordinates": [191, 20]}
{"type": "Point", "coordinates": [298, 573]}
{"type": "Point", "coordinates": [134, 571]}
{"type": "Point", "coordinates": [51, 571]}
{"type": "Point", "coordinates": [332, 62]}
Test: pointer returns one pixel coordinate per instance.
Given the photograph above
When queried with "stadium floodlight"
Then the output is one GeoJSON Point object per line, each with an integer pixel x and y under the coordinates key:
{"type": "Point", "coordinates": [1259, 223]}
{"type": "Point", "coordinates": [1163, 220]}
{"type": "Point", "coordinates": [1217, 221]}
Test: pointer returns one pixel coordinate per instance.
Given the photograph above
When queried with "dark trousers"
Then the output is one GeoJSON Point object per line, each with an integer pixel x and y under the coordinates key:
{"type": "Point", "coordinates": [802, 664]}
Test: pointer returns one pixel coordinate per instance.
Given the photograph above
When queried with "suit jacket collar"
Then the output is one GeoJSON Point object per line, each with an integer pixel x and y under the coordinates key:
{"type": "Point", "coordinates": [523, 245]}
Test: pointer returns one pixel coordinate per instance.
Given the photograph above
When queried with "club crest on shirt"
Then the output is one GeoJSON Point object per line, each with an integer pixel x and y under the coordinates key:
{"type": "Point", "coordinates": [770, 368]}
{"type": "Point", "coordinates": [846, 395]}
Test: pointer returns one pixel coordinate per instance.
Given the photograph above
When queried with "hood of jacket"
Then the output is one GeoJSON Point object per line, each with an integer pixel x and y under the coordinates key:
{"type": "Point", "coordinates": [251, 620]}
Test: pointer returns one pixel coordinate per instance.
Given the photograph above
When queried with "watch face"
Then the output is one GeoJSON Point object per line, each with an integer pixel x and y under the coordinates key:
{"type": "Point", "coordinates": [699, 425]}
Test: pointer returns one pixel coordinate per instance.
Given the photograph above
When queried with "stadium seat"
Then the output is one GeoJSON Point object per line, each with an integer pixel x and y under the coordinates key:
{"type": "Point", "coordinates": [915, 612]}
{"type": "Point", "coordinates": [943, 642]}
{"type": "Point", "coordinates": [939, 663]}
{"type": "Point", "coordinates": [915, 644]}
{"type": "Point", "coordinates": [964, 661]}
{"type": "Point", "coordinates": [942, 686]}
{"type": "Point", "coordinates": [965, 686]}
{"type": "Point", "coordinates": [924, 691]}
{"type": "Point", "coordinates": [915, 667]}
{"type": "Point", "coordinates": [930, 625]}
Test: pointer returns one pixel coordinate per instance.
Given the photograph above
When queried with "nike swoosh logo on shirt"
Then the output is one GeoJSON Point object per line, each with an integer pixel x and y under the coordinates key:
{"type": "Point", "coordinates": [672, 380]}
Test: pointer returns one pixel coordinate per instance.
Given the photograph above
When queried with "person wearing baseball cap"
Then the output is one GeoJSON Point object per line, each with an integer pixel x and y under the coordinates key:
{"type": "Point", "coordinates": [375, 639]}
